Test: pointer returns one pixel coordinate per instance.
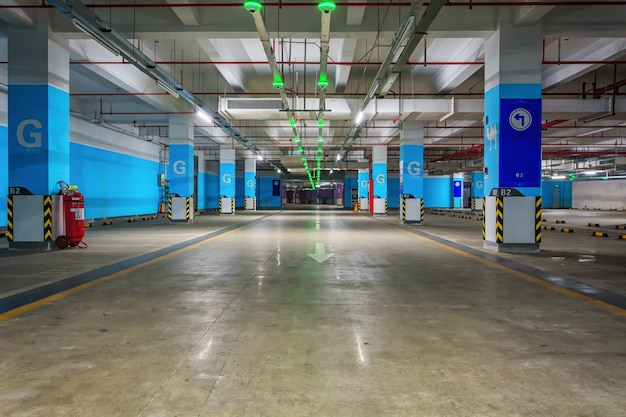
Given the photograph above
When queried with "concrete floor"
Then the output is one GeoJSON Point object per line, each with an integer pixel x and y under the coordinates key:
{"type": "Point", "coordinates": [247, 323]}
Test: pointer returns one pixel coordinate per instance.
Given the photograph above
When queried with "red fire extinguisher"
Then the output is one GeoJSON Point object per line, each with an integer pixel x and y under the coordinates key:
{"type": "Point", "coordinates": [74, 215]}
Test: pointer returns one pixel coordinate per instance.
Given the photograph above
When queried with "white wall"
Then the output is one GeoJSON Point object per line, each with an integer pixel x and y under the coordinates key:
{"type": "Point", "coordinates": [599, 194]}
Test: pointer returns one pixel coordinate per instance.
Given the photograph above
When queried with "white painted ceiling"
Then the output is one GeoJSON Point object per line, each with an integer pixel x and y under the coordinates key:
{"type": "Point", "coordinates": [213, 50]}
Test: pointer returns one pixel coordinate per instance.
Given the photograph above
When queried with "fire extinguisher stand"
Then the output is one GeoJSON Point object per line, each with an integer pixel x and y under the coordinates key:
{"type": "Point", "coordinates": [73, 217]}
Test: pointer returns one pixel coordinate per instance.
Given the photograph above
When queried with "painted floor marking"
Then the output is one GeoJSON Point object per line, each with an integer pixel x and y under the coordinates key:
{"type": "Point", "coordinates": [23, 302]}
{"type": "Point", "coordinates": [606, 300]}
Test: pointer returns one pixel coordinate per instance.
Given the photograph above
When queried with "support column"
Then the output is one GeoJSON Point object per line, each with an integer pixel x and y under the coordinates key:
{"type": "Point", "coordinates": [4, 148]}
{"type": "Point", "coordinates": [227, 180]}
{"type": "Point", "coordinates": [339, 191]}
{"type": "Point", "coordinates": [513, 138]}
{"type": "Point", "coordinates": [364, 189]}
{"type": "Point", "coordinates": [38, 134]}
{"type": "Point", "coordinates": [411, 172]}
{"type": "Point", "coordinates": [477, 190]}
{"type": "Point", "coordinates": [180, 170]}
{"type": "Point", "coordinates": [250, 189]}
{"type": "Point", "coordinates": [379, 176]}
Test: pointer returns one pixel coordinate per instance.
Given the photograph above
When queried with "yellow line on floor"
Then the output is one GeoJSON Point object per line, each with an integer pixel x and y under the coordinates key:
{"type": "Point", "coordinates": [565, 291]}
{"type": "Point", "coordinates": [36, 304]}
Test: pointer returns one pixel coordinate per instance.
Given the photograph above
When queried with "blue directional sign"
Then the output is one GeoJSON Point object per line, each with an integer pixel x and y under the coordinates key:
{"type": "Point", "coordinates": [457, 188]}
{"type": "Point", "coordinates": [520, 143]}
{"type": "Point", "coordinates": [276, 188]}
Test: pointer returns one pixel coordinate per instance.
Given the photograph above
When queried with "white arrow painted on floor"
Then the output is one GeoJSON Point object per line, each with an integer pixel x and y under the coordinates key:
{"type": "Point", "coordinates": [320, 254]}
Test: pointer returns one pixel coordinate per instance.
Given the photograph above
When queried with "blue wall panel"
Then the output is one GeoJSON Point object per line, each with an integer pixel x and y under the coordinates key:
{"type": "Point", "coordinates": [240, 191]}
{"type": "Point", "coordinates": [563, 194]}
{"type": "Point", "coordinates": [438, 192]}
{"type": "Point", "coordinates": [114, 184]}
{"type": "Point", "coordinates": [348, 185]}
{"type": "Point", "coordinates": [208, 191]}
{"type": "Point", "coordinates": [265, 199]}
{"type": "Point", "coordinates": [4, 174]}
{"type": "Point", "coordinates": [393, 193]}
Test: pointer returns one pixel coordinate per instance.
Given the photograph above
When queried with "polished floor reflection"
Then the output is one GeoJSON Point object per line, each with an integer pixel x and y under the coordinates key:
{"type": "Point", "coordinates": [315, 313]}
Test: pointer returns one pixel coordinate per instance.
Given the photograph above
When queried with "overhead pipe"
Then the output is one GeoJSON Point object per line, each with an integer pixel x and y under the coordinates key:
{"type": "Point", "coordinates": [254, 8]}
{"type": "Point", "coordinates": [345, 63]}
{"type": "Point", "coordinates": [448, 3]}
{"type": "Point", "coordinates": [255, 11]}
{"type": "Point", "coordinates": [414, 30]}
{"type": "Point", "coordinates": [86, 20]}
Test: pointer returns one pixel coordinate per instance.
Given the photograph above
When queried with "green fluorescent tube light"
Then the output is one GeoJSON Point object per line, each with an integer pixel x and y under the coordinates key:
{"type": "Point", "coordinates": [327, 6]}
{"type": "Point", "coordinates": [278, 84]}
{"type": "Point", "coordinates": [252, 6]}
{"type": "Point", "coordinates": [322, 84]}
{"type": "Point", "coordinates": [297, 139]}
{"type": "Point", "coordinates": [320, 122]}
{"type": "Point", "coordinates": [320, 138]}
{"type": "Point", "coordinates": [292, 123]}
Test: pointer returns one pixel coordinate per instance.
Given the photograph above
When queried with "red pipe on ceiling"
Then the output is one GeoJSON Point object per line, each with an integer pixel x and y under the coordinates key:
{"type": "Point", "coordinates": [345, 63]}
{"type": "Point", "coordinates": [468, 4]}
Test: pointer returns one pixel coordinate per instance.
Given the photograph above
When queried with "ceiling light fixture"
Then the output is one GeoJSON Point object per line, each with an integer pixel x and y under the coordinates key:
{"type": "Point", "coordinates": [93, 33]}
{"type": "Point", "coordinates": [168, 88]}
{"type": "Point", "coordinates": [204, 116]}
{"type": "Point", "coordinates": [252, 6]}
{"type": "Point", "coordinates": [327, 6]}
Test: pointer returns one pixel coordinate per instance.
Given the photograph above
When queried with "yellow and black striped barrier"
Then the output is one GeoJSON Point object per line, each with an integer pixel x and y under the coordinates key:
{"type": "Point", "coordinates": [422, 210]}
{"type": "Point", "coordinates": [386, 205]}
{"type": "Point", "coordinates": [538, 221]}
{"type": "Point", "coordinates": [132, 220]}
{"type": "Point", "coordinates": [187, 208]}
{"type": "Point", "coordinates": [560, 221]}
{"type": "Point", "coordinates": [593, 225]}
{"type": "Point", "coordinates": [169, 208]}
{"type": "Point", "coordinates": [10, 218]}
{"type": "Point", "coordinates": [232, 206]}
{"type": "Point", "coordinates": [567, 230]}
{"type": "Point", "coordinates": [622, 237]}
{"type": "Point", "coordinates": [47, 218]}
{"type": "Point", "coordinates": [403, 209]}
{"type": "Point", "coordinates": [599, 234]}
{"type": "Point", "coordinates": [499, 220]}
{"type": "Point", "coordinates": [107, 223]}
{"type": "Point", "coordinates": [621, 226]}
{"type": "Point", "coordinates": [483, 216]}
{"type": "Point", "coordinates": [550, 228]}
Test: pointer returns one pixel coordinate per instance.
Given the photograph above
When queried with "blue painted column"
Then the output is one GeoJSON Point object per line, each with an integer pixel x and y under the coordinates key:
{"type": "Point", "coordinates": [363, 180]}
{"type": "Point", "coordinates": [38, 135]}
{"type": "Point", "coordinates": [412, 171]}
{"type": "Point", "coordinates": [181, 162]}
{"type": "Point", "coordinates": [180, 170]}
{"type": "Point", "coordinates": [227, 180]}
{"type": "Point", "coordinates": [250, 184]}
{"type": "Point", "coordinates": [478, 189]}
{"type": "Point", "coordinates": [4, 149]}
{"type": "Point", "coordinates": [379, 176]}
{"type": "Point", "coordinates": [39, 110]}
{"type": "Point", "coordinates": [512, 141]}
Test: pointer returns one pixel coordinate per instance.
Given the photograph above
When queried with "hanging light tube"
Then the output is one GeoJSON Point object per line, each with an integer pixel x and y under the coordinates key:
{"type": "Point", "coordinates": [96, 36]}
{"type": "Point", "coordinates": [168, 88]}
